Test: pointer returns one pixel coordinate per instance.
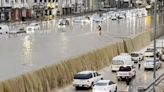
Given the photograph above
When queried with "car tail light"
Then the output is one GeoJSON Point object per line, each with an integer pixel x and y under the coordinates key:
{"type": "Point", "coordinates": [87, 80]}
{"type": "Point", "coordinates": [129, 73]}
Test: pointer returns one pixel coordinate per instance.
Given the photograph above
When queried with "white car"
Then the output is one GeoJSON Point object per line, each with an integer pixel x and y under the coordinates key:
{"type": "Point", "coordinates": [86, 79]}
{"type": "Point", "coordinates": [17, 30]}
{"type": "Point", "coordinates": [4, 29]}
{"type": "Point", "coordinates": [105, 86]}
{"type": "Point", "coordinates": [149, 64]}
{"type": "Point", "coordinates": [126, 72]}
{"type": "Point", "coordinates": [136, 56]}
{"type": "Point", "coordinates": [33, 27]}
{"type": "Point", "coordinates": [150, 52]}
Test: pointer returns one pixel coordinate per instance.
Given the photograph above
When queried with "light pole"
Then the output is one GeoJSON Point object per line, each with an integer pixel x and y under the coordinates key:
{"type": "Point", "coordinates": [155, 29]}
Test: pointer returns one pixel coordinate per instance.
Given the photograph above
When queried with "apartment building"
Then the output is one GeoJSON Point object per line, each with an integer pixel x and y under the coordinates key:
{"type": "Point", "coordinates": [14, 10]}
{"type": "Point", "coordinates": [44, 8]}
{"type": "Point", "coordinates": [20, 10]}
{"type": "Point", "coordinates": [5, 10]}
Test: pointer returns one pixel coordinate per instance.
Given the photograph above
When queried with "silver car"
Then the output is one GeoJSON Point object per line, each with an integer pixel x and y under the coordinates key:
{"type": "Point", "coordinates": [149, 64]}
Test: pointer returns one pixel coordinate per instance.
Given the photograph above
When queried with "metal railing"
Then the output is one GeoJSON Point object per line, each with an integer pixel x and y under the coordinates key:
{"type": "Point", "coordinates": [149, 88]}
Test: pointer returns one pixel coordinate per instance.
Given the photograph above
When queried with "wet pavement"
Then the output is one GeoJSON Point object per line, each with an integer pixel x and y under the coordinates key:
{"type": "Point", "coordinates": [26, 52]}
{"type": "Point", "coordinates": [143, 79]}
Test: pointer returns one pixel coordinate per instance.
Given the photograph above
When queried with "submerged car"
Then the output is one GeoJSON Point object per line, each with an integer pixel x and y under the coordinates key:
{"type": "Point", "coordinates": [33, 27]}
{"type": "Point", "coordinates": [63, 23]}
{"type": "Point", "coordinates": [17, 30]}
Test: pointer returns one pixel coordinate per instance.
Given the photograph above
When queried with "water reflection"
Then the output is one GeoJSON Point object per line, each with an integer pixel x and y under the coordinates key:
{"type": "Point", "coordinates": [64, 45]}
{"type": "Point", "coordinates": [27, 52]}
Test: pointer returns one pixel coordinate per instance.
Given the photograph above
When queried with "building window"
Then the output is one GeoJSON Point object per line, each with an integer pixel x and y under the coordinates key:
{"type": "Point", "coordinates": [49, 0]}
{"type": "Point", "coordinates": [56, 0]}
{"type": "Point", "coordinates": [45, 1]}
{"type": "Point", "coordinates": [35, 1]}
{"type": "Point", "coordinates": [22, 1]}
{"type": "Point", "coordinates": [16, 1]}
{"type": "Point", "coordinates": [7, 1]}
{"type": "Point", "coordinates": [40, 1]}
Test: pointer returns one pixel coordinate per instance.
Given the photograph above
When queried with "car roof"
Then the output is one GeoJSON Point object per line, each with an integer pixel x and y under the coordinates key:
{"type": "Point", "coordinates": [86, 72]}
{"type": "Point", "coordinates": [121, 56]}
{"type": "Point", "coordinates": [151, 59]}
{"type": "Point", "coordinates": [2, 25]}
{"type": "Point", "coordinates": [104, 81]}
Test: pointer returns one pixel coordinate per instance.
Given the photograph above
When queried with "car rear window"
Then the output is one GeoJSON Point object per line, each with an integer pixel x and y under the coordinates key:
{"type": "Point", "coordinates": [125, 68]}
{"type": "Point", "coordinates": [83, 76]}
{"type": "Point", "coordinates": [101, 84]}
{"type": "Point", "coordinates": [134, 54]}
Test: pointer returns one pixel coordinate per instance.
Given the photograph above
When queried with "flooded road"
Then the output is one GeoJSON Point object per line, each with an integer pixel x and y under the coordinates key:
{"type": "Point", "coordinates": [26, 52]}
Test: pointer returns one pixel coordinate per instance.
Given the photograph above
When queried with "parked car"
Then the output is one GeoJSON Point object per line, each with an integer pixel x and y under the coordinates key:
{"type": "Point", "coordinates": [136, 56]}
{"type": "Point", "coordinates": [105, 86]}
{"type": "Point", "coordinates": [126, 72]}
{"type": "Point", "coordinates": [4, 29]}
{"type": "Point", "coordinates": [17, 30]}
{"type": "Point", "coordinates": [33, 27]}
{"type": "Point", "coordinates": [123, 59]}
{"type": "Point", "coordinates": [149, 64]}
{"type": "Point", "coordinates": [86, 79]}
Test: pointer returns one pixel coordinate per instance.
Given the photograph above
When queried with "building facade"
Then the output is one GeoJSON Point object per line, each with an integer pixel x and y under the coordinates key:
{"type": "Point", "coordinates": [14, 10]}
{"type": "Point", "coordinates": [20, 10]}
{"type": "Point", "coordinates": [44, 8]}
{"type": "Point", "coordinates": [5, 10]}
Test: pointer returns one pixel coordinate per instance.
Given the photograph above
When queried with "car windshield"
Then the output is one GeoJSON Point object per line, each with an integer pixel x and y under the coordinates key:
{"type": "Point", "coordinates": [101, 84]}
{"type": "Point", "coordinates": [149, 50]}
{"type": "Point", "coordinates": [134, 55]}
{"type": "Point", "coordinates": [118, 62]}
{"type": "Point", "coordinates": [33, 24]}
{"type": "Point", "coordinates": [82, 76]}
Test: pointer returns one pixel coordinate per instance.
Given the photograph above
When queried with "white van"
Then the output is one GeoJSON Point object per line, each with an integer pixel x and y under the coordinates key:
{"type": "Point", "coordinates": [4, 29]}
{"type": "Point", "coordinates": [121, 60]}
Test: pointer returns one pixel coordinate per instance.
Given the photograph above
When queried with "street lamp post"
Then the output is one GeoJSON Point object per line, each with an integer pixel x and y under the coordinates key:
{"type": "Point", "coordinates": [155, 29]}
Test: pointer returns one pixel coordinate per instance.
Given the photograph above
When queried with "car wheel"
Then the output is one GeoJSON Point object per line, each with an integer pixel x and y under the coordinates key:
{"type": "Point", "coordinates": [115, 89]}
{"type": "Point", "coordinates": [76, 88]}
{"type": "Point", "coordinates": [118, 79]}
{"type": "Point", "coordinates": [134, 75]}
{"type": "Point", "coordinates": [92, 85]}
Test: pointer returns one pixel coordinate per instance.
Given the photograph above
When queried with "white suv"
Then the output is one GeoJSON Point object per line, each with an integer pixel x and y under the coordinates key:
{"type": "Point", "coordinates": [86, 79]}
